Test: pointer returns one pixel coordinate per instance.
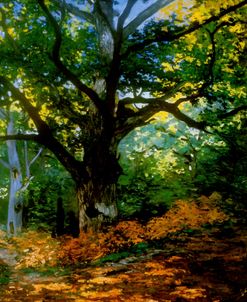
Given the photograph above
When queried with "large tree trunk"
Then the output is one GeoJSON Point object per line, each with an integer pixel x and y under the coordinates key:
{"type": "Point", "coordinates": [97, 205]}
{"type": "Point", "coordinates": [97, 194]}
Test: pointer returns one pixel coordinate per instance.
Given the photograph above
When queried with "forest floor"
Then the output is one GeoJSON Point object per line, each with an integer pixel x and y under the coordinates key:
{"type": "Point", "coordinates": [208, 265]}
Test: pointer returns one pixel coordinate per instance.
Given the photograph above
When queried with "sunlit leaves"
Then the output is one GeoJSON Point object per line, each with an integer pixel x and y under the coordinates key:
{"type": "Point", "coordinates": [194, 10]}
{"type": "Point", "coordinates": [90, 246]}
{"type": "Point", "coordinates": [185, 268]}
{"type": "Point", "coordinates": [187, 293]}
{"type": "Point", "coordinates": [178, 9]}
{"type": "Point", "coordinates": [37, 249]}
{"type": "Point", "coordinates": [185, 215]}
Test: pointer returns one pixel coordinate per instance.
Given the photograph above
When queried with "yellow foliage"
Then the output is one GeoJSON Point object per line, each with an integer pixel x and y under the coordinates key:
{"type": "Point", "coordinates": [52, 286]}
{"type": "Point", "coordinates": [168, 66]}
{"type": "Point", "coordinates": [11, 31]}
{"type": "Point", "coordinates": [91, 246]}
{"type": "Point", "coordinates": [2, 238]}
{"type": "Point", "coordinates": [189, 293]}
{"type": "Point", "coordinates": [190, 11]}
{"type": "Point", "coordinates": [185, 214]}
{"type": "Point", "coordinates": [102, 294]}
{"type": "Point", "coordinates": [160, 116]}
{"type": "Point", "coordinates": [179, 7]}
{"type": "Point", "coordinates": [37, 249]}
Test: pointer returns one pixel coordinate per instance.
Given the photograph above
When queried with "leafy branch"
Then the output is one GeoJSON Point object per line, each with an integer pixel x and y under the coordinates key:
{"type": "Point", "coordinates": [62, 68]}
{"type": "Point", "coordinates": [172, 36]}
{"type": "Point", "coordinates": [3, 23]}
{"type": "Point", "coordinates": [45, 136]}
{"type": "Point", "coordinates": [76, 12]}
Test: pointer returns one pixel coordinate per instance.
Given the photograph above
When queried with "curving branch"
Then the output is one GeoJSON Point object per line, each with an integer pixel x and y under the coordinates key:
{"type": "Point", "coordinates": [232, 112]}
{"type": "Point", "coordinates": [143, 16]}
{"type": "Point", "coordinates": [143, 100]}
{"type": "Point", "coordinates": [172, 36]}
{"type": "Point", "coordinates": [36, 156]}
{"type": "Point", "coordinates": [25, 137]}
{"type": "Point", "coordinates": [76, 11]}
{"type": "Point", "coordinates": [32, 111]}
{"type": "Point", "coordinates": [143, 115]}
{"type": "Point", "coordinates": [45, 135]}
{"type": "Point", "coordinates": [62, 68]}
{"type": "Point", "coordinates": [125, 14]}
{"type": "Point", "coordinates": [28, 163]}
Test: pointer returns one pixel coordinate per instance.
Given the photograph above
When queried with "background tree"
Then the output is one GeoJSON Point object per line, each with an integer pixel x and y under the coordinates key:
{"type": "Point", "coordinates": [18, 182]}
{"type": "Point", "coordinates": [69, 67]}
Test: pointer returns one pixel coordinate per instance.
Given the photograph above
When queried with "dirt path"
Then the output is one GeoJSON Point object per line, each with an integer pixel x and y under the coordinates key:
{"type": "Point", "coordinates": [202, 267]}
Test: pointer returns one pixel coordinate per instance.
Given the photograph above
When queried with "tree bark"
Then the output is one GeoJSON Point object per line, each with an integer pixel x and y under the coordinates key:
{"type": "Point", "coordinates": [96, 193]}
{"type": "Point", "coordinates": [15, 207]}
{"type": "Point", "coordinates": [97, 204]}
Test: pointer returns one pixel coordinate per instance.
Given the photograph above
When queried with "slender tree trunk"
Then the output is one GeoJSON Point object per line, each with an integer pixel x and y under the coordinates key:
{"type": "Point", "coordinates": [17, 187]}
{"type": "Point", "coordinates": [15, 208]}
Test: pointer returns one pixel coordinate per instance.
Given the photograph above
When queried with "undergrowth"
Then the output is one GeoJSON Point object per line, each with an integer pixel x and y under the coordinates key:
{"type": "Point", "coordinates": [38, 249]}
{"type": "Point", "coordinates": [130, 237]}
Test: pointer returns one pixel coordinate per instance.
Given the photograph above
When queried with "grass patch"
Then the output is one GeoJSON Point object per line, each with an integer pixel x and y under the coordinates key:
{"type": "Point", "coordinates": [46, 271]}
{"type": "Point", "coordinates": [4, 273]}
{"type": "Point", "coordinates": [135, 250]}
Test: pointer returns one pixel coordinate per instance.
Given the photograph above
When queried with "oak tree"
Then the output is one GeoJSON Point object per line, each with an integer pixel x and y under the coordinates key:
{"type": "Point", "coordinates": [89, 72]}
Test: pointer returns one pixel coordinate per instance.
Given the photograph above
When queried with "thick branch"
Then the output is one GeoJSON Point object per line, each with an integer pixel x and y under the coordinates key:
{"type": "Point", "coordinates": [188, 120]}
{"type": "Point", "coordinates": [32, 111]}
{"type": "Point", "coordinates": [76, 11]}
{"type": "Point", "coordinates": [143, 16]}
{"type": "Point", "coordinates": [62, 68]}
{"type": "Point", "coordinates": [45, 136]}
{"type": "Point", "coordinates": [24, 137]}
{"type": "Point", "coordinates": [151, 109]}
{"type": "Point", "coordinates": [125, 14]}
{"type": "Point", "coordinates": [172, 36]}
{"type": "Point", "coordinates": [105, 11]}
{"type": "Point", "coordinates": [141, 117]}
{"type": "Point", "coordinates": [141, 100]}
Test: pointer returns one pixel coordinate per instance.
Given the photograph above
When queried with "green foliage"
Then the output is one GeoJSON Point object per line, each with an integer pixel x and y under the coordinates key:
{"type": "Point", "coordinates": [165, 161]}
{"type": "Point", "coordinates": [155, 173]}
{"type": "Point", "coordinates": [114, 257]}
{"type": "Point", "coordinates": [5, 273]}
{"type": "Point", "coordinates": [3, 200]}
{"type": "Point", "coordinates": [43, 192]}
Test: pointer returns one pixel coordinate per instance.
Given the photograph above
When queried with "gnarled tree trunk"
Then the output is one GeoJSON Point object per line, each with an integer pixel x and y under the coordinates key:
{"type": "Point", "coordinates": [97, 193]}
{"type": "Point", "coordinates": [97, 204]}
